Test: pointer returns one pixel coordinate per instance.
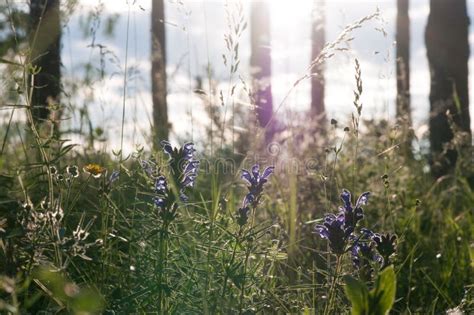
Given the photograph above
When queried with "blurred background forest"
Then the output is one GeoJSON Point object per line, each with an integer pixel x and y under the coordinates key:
{"type": "Point", "coordinates": [98, 39]}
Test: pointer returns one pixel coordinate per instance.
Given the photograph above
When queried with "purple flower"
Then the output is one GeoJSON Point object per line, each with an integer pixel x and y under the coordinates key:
{"type": "Point", "coordinates": [363, 257]}
{"type": "Point", "coordinates": [114, 176]}
{"type": "Point", "coordinates": [159, 202]}
{"type": "Point", "coordinates": [188, 151]}
{"type": "Point", "coordinates": [184, 168]}
{"type": "Point", "coordinates": [255, 178]}
{"type": "Point", "coordinates": [352, 215]}
{"type": "Point", "coordinates": [167, 148]}
{"type": "Point", "coordinates": [161, 191]}
{"type": "Point", "coordinates": [255, 183]}
{"type": "Point", "coordinates": [339, 230]}
{"type": "Point", "coordinates": [333, 230]}
{"type": "Point", "coordinates": [386, 245]}
{"type": "Point", "coordinates": [161, 186]}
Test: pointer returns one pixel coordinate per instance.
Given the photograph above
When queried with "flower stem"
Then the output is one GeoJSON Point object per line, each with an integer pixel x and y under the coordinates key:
{"type": "Point", "coordinates": [332, 290]}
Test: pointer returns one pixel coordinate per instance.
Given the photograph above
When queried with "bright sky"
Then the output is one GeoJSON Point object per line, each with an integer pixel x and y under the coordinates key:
{"type": "Point", "coordinates": [195, 34]}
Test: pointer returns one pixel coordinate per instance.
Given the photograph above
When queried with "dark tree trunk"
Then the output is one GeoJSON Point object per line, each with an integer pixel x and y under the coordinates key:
{"type": "Point", "coordinates": [158, 73]}
{"type": "Point", "coordinates": [45, 36]}
{"type": "Point", "coordinates": [402, 37]}
{"type": "Point", "coordinates": [318, 39]}
{"type": "Point", "coordinates": [448, 53]}
{"type": "Point", "coordinates": [260, 61]}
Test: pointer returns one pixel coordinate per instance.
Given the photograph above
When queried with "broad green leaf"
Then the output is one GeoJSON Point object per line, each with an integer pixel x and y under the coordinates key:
{"type": "Point", "coordinates": [384, 292]}
{"type": "Point", "coordinates": [358, 294]}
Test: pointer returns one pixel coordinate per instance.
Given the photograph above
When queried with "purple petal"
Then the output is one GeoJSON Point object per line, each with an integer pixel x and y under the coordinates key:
{"type": "Point", "coordinates": [188, 150]}
{"type": "Point", "coordinates": [246, 176]}
{"type": "Point", "coordinates": [367, 232]}
{"type": "Point", "coordinates": [346, 197]}
{"type": "Point", "coordinates": [249, 198]}
{"type": "Point", "coordinates": [159, 202]}
{"type": "Point", "coordinates": [363, 199]}
{"type": "Point", "coordinates": [267, 172]}
{"type": "Point", "coordinates": [255, 171]}
{"type": "Point", "coordinates": [322, 231]}
{"type": "Point", "coordinates": [188, 147]}
{"type": "Point", "coordinates": [183, 197]}
{"type": "Point", "coordinates": [188, 181]}
{"type": "Point", "coordinates": [340, 218]}
{"type": "Point", "coordinates": [167, 148]}
{"type": "Point", "coordinates": [114, 176]}
{"type": "Point", "coordinates": [160, 184]}
{"type": "Point", "coordinates": [191, 167]}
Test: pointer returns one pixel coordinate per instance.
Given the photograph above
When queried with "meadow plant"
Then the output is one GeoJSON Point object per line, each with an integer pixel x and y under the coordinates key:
{"type": "Point", "coordinates": [368, 249]}
{"type": "Point", "coordinates": [169, 192]}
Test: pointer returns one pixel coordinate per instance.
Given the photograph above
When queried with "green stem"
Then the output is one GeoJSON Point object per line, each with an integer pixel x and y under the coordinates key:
{"type": "Point", "coordinates": [242, 289]}
{"type": "Point", "coordinates": [162, 307]}
{"type": "Point", "coordinates": [36, 134]}
{"type": "Point", "coordinates": [247, 255]}
{"type": "Point", "coordinates": [329, 306]}
{"type": "Point", "coordinates": [237, 242]}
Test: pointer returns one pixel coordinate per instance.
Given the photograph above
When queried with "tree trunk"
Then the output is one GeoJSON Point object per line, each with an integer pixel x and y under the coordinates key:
{"type": "Point", "coordinates": [45, 36]}
{"type": "Point", "coordinates": [260, 61]}
{"type": "Point", "coordinates": [318, 39]}
{"type": "Point", "coordinates": [158, 73]}
{"type": "Point", "coordinates": [448, 53]}
{"type": "Point", "coordinates": [403, 110]}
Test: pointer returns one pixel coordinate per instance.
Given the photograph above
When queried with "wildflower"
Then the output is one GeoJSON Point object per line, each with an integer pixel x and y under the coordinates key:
{"type": "Point", "coordinates": [352, 215]}
{"type": "Point", "coordinates": [338, 230]}
{"type": "Point", "coordinates": [256, 182]}
{"type": "Point", "coordinates": [386, 246]}
{"type": "Point", "coordinates": [114, 177]}
{"type": "Point", "coordinates": [362, 253]}
{"type": "Point", "coordinates": [363, 256]}
{"type": "Point", "coordinates": [95, 170]}
{"type": "Point", "coordinates": [161, 191]}
{"type": "Point", "coordinates": [183, 166]}
{"type": "Point", "coordinates": [72, 170]}
{"type": "Point", "coordinates": [243, 216]}
{"type": "Point", "coordinates": [333, 230]}
{"type": "Point", "coordinates": [167, 148]}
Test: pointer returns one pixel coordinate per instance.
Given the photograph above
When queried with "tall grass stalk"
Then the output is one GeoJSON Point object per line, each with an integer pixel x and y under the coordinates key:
{"type": "Point", "coordinates": [356, 121]}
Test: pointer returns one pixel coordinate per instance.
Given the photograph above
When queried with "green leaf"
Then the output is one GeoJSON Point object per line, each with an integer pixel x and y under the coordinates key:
{"type": "Point", "coordinates": [384, 292]}
{"type": "Point", "coordinates": [358, 294]}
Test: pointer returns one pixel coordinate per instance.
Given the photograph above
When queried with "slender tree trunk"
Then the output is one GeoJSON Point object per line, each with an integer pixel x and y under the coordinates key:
{"type": "Point", "coordinates": [402, 38]}
{"type": "Point", "coordinates": [45, 36]}
{"type": "Point", "coordinates": [318, 38]}
{"type": "Point", "coordinates": [158, 73]}
{"type": "Point", "coordinates": [261, 63]}
{"type": "Point", "coordinates": [448, 53]}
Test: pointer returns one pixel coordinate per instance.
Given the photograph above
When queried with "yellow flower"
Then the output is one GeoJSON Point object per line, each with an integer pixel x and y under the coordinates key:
{"type": "Point", "coordinates": [94, 169]}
